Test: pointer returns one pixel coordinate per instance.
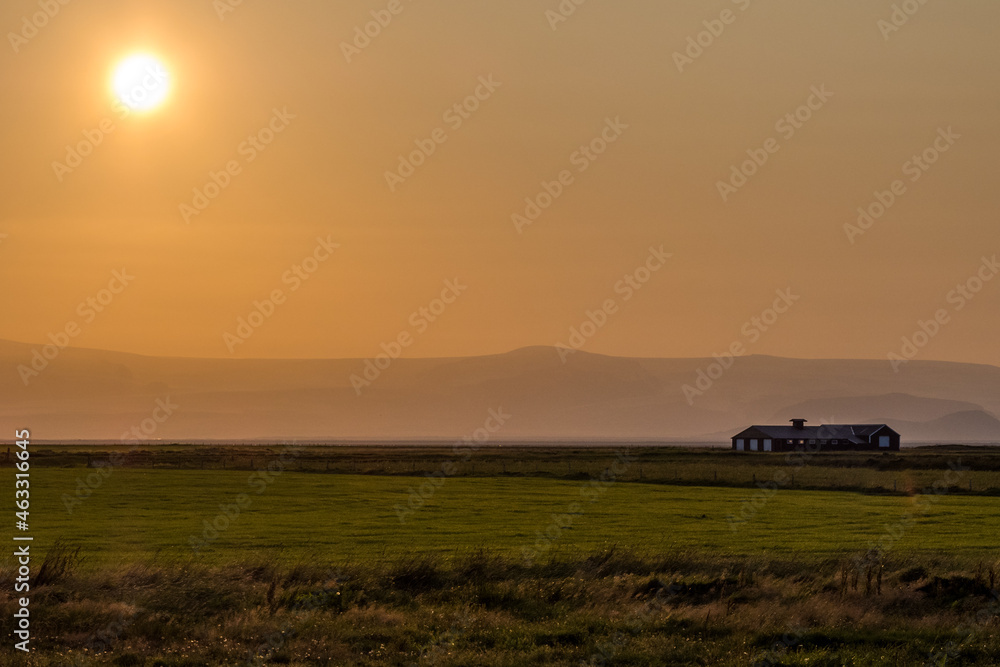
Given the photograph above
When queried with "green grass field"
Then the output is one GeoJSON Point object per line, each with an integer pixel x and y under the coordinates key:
{"type": "Point", "coordinates": [905, 472]}
{"type": "Point", "coordinates": [134, 514]}
{"type": "Point", "coordinates": [189, 557]}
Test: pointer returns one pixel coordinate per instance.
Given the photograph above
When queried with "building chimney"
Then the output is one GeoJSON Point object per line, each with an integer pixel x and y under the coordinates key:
{"type": "Point", "coordinates": [799, 424]}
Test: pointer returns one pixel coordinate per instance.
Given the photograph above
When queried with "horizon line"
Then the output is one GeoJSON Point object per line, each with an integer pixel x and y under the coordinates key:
{"type": "Point", "coordinates": [476, 356]}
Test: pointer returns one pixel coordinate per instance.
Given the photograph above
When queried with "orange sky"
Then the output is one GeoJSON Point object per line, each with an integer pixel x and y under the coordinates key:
{"type": "Point", "coordinates": [610, 69]}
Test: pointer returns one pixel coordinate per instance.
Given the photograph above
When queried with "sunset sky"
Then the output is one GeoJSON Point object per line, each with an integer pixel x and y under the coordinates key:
{"type": "Point", "coordinates": [670, 128]}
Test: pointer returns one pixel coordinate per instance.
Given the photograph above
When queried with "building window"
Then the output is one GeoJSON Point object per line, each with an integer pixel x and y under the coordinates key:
{"type": "Point", "coordinates": [836, 442]}
{"type": "Point", "coordinates": [812, 442]}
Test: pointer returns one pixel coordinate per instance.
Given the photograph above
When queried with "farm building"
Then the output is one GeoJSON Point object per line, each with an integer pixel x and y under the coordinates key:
{"type": "Point", "coordinates": [829, 437]}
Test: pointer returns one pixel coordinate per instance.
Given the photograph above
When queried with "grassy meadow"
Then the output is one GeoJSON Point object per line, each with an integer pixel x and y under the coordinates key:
{"type": "Point", "coordinates": [138, 514]}
{"type": "Point", "coordinates": [182, 560]}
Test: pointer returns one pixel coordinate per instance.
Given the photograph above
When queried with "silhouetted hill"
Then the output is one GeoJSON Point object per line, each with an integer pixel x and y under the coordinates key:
{"type": "Point", "coordinates": [91, 394]}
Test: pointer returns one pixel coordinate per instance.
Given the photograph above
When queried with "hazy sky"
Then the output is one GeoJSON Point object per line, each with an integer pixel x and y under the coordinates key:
{"type": "Point", "coordinates": [611, 68]}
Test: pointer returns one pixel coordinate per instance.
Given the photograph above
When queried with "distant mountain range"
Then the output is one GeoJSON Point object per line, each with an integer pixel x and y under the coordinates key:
{"type": "Point", "coordinates": [89, 394]}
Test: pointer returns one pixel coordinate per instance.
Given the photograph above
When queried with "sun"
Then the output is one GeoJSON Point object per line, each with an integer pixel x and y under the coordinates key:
{"type": "Point", "coordinates": [141, 82]}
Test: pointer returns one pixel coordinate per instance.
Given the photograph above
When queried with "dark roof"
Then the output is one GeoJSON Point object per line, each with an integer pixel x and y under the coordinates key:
{"type": "Point", "coordinates": [859, 433]}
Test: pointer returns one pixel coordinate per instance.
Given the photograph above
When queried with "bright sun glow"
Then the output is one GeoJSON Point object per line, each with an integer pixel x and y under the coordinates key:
{"type": "Point", "coordinates": [141, 82]}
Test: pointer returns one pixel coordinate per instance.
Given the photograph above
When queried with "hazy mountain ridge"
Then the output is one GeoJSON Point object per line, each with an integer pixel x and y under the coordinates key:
{"type": "Point", "coordinates": [91, 394]}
